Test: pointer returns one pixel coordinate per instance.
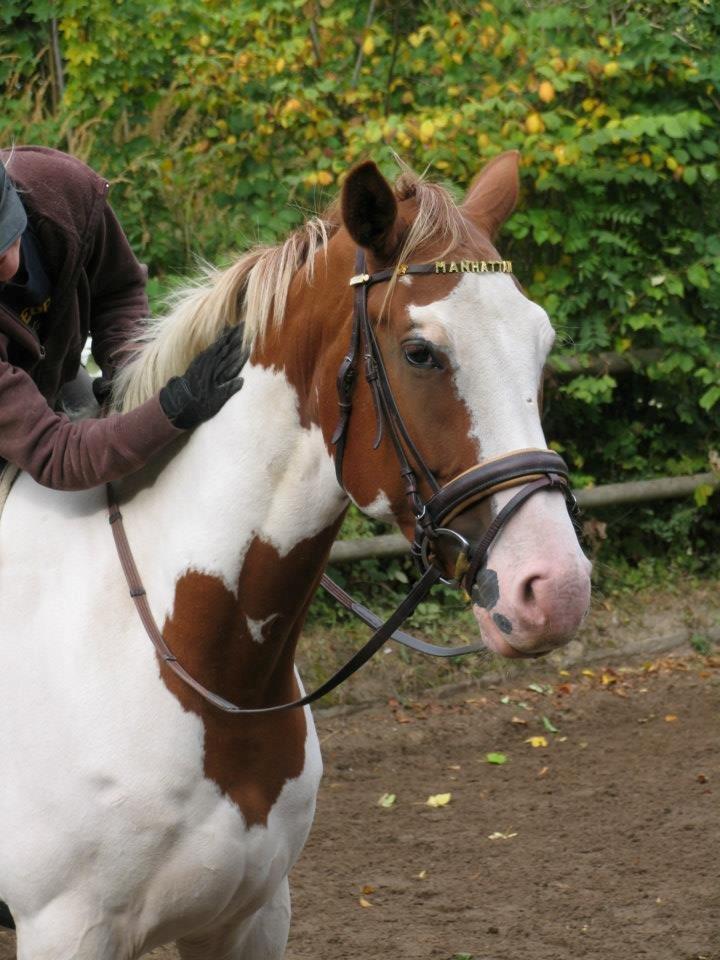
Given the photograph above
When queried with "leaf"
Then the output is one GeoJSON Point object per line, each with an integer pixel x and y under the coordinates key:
{"type": "Point", "coordinates": [536, 688]}
{"type": "Point", "coordinates": [537, 741]}
{"type": "Point", "coordinates": [368, 890]}
{"type": "Point", "coordinates": [703, 493]}
{"type": "Point", "coordinates": [439, 800]}
{"type": "Point", "coordinates": [710, 398]}
{"type": "Point", "coordinates": [501, 836]}
{"type": "Point", "coordinates": [670, 718]}
{"type": "Point", "coordinates": [364, 903]}
{"type": "Point", "coordinates": [497, 758]}
{"type": "Point", "coordinates": [549, 726]}
{"type": "Point", "coordinates": [698, 276]}
{"type": "Point", "coordinates": [387, 800]}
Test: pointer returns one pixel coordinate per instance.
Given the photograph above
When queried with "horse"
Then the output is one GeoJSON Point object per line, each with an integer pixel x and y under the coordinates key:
{"type": "Point", "coordinates": [134, 811]}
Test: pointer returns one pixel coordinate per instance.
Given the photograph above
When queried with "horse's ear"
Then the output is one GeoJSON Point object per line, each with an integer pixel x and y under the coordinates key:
{"type": "Point", "coordinates": [494, 192]}
{"type": "Point", "coordinates": [370, 211]}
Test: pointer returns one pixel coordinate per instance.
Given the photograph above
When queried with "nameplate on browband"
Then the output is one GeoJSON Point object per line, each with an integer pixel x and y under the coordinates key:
{"type": "Point", "coordinates": [473, 266]}
{"type": "Point", "coordinates": [439, 266]}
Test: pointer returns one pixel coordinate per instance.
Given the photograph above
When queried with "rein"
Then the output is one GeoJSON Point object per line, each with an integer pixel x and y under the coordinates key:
{"type": "Point", "coordinates": [534, 470]}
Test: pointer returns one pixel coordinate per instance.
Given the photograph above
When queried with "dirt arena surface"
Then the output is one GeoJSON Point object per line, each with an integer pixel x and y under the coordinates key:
{"type": "Point", "coordinates": [601, 842]}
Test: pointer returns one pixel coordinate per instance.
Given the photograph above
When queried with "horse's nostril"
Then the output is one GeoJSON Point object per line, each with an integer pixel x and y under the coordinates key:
{"type": "Point", "coordinates": [527, 590]}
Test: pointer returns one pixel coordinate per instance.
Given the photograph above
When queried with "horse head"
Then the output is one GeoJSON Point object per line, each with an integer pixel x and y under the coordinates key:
{"type": "Point", "coordinates": [463, 350]}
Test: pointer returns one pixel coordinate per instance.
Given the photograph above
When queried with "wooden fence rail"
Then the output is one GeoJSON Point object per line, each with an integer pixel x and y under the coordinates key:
{"type": "Point", "coordinates": [609, 495]}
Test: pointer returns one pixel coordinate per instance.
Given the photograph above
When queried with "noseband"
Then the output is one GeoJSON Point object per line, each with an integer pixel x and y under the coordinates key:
{"type": "Point", "coordinates": [534, 470]}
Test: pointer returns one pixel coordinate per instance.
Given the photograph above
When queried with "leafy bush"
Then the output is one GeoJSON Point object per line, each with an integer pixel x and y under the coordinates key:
{"type": "Point", "coordinates": [224, 123]}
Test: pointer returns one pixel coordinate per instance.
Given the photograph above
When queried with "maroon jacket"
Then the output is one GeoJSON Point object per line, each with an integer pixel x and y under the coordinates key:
{"type": "Point", "coordinates": [98, 289]}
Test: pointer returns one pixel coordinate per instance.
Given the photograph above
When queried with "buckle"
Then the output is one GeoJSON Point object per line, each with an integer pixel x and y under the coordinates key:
{"type": "Point", "coordinates": [359, 279]}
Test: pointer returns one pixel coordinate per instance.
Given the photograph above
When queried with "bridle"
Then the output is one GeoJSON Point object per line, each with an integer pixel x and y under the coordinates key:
{"type": "Point", "coordinates": [534, 470]}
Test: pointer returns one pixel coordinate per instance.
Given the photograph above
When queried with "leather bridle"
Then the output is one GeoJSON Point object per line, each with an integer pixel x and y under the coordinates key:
{"type": "Point", "coordinates": [533, 470]}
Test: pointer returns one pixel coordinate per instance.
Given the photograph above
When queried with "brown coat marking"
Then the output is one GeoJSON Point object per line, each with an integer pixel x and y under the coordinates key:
{"type": "Point", "coordinates": [249, 758]}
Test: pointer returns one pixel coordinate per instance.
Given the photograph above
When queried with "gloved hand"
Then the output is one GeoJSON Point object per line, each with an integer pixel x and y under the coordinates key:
{"type": "Point", "coordinates": [207, 384]}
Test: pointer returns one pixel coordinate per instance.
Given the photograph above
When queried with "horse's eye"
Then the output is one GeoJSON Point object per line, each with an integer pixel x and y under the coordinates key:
{"type": "Point", "coordinates": [419, 353]}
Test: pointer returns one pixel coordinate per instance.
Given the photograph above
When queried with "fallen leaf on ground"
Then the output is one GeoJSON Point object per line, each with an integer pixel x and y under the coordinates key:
{"type": "Point", "coordinates": [670, 718]}
{"type": "Point", "coordinates": [542, 772]}
{"type": "Point", "coordinates": [439, 800]}
{"type": "Point", "coordinates": [367, 889]}
{"type": "Point", "coordinates": [537, 741]}
{"type": "Point", "coordinates": [387, 800]}
{"type": "Point", "coordinates": [701, 778]}
{"type": "Point", "coordinates": [364, 903]}
{"type": "Point", "coordinates": [588, 673]}
{"type": "Point", "coordinates": [519, 720]}
{"type": "Point", "coordinates": [498, 758]}
{"type": "Point", "coordinates": [422, 875]}
{"type": "Point", "coordinates": [501, 836]}
{"type": "Point", "coordinates": [549, 726]}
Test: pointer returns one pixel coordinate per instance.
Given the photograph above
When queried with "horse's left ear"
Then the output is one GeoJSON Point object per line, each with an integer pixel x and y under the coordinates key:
{"type": "Point", "coordinates": [494, 192]}
{"type": "Point", "coordinates": [370, 211]}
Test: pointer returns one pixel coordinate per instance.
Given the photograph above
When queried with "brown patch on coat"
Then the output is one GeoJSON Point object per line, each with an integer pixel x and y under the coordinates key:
{"type": "Point", "coordinates": [250, 758]}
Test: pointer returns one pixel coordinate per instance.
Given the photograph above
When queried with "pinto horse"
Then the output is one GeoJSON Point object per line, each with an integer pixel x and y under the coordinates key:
{"type": "Point", "coordinates": [134, 812]}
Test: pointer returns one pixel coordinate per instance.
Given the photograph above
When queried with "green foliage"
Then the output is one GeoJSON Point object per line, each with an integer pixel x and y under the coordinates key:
{"type": "Point", "coordinates": [221, 124]}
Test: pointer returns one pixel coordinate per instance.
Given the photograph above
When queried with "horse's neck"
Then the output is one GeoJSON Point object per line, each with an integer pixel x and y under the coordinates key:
{"type": "Point", "coordinates": [232, 536]}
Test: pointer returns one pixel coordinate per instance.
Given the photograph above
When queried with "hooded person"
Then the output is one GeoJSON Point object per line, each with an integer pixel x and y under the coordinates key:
{"type": "Point", "coordinates": [67, 273]}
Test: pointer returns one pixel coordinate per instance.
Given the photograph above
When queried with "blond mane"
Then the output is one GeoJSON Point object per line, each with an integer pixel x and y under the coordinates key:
{"type": "Point", "coordinates": [254, 290]}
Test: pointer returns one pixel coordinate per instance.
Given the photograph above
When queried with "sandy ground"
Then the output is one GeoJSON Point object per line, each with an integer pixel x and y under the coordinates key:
{"type": "Point", "coordinates": [601, 842]}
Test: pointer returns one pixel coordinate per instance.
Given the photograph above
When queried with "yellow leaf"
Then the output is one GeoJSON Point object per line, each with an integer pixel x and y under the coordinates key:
{"type": "Point", "coordinates": [670, 718]}
{"type": "Point", "coordinates": [537, 741]}
{"type": "Point", "coordinates": [588, 673]}
{"type": "Point", "coordinates": [534, 123]}
{"type": "Point", "coordinates": [279, 65]}
{"type": "Point", "coordinates": [364, 903]}
{"type": "Point", "coordinates": [611, 69]}
{"type": "Point", "coordinates": [501, 836]}
{"type": "Point", "coordinates": [546, 91]}
{"type": "Point", "coordinates": [439, 800]}
{"type": "Point", "coordinates": [427, 129]}
{"type": "Point", "coordinates": [368, 46]}
{"type": "Point", "coordinates": [324, 178]}
{"type": "Point", "coordinates": [422, 875]}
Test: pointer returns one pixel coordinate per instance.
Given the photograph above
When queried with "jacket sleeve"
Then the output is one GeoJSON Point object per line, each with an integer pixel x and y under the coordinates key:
{"type": "Point", "coordinates": [74, 455]}
{"type": "Point", "coordinates": [118, 301]}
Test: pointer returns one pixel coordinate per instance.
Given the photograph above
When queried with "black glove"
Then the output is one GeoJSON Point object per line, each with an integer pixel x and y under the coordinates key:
{"type": "Point", "coordinates": [207, 384]}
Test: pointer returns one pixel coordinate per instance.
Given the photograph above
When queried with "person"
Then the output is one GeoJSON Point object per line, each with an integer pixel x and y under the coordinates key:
{"type": "Point", "coordinates": [67, 272]}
